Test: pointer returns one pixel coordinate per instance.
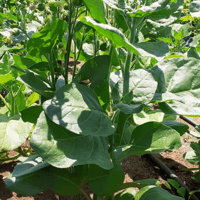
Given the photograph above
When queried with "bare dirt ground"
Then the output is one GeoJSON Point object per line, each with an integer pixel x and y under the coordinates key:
{"type": "Point", "coordinates": [134, 167]}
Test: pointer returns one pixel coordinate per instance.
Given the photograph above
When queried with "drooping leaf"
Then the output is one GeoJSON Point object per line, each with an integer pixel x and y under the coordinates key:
{"type": "Point", "coordinates": [62, 148]}
{"type": "Point", "coordinates": [153, 137]}
{"type": "Point", "coordinates": [153, 49]}
{"type": "Point", "coordinates": [129, 109]}
{"type": "Point", "coordinates": [105, 182]}
{"type": "Point", "coordinates": [43, 42]}
{"type": "Point", "coordinates": [178, 85]}
{"type": "Point", "coordinates": [93, 6]}
{"type": "Point", "coordinates": [155, 193]}
{"type": "Point", "coordinates": [34, 175]}
{"type": "Point", "coordinates": [138, 87]}
{"type": "Point", "coordinates": [35, 82]}
{"type": "Point", "coordinates": [76, 108]}
{"type": "Point", "coordinates": [13, 132]}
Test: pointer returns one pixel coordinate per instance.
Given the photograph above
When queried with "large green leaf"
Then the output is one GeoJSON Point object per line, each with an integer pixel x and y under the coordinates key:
{"type": "Point", "coordinates": [141, 87]}
{"type": "Point", "coordinates": [96, 5]}
{"type": "Point", "coordinates": [76, 108]}
{"type": "Point", "coordinates": [155, 193]}
{"type": "Point", "coordinates": [95, 70]}
{"type": "Point", "coordinates": [168, 14]}
{"type": "Point", "coordinates": [105, 182]}
{"type": "Point", "coordinates": [147, 10]}
{"type": "Point", "coordinates": [178, 85]}
{"type": "Point", "coordinates": [153, 137]}
{"type": "Point", "coordinates": [153, 49]}
{"type": "Point", "coordinates": [34, 175]}
{"type": "Point", "coordinates": [13, 132]}
{"type": "Point", "coordinates": [195, 8]}
{"type": "Point", "coordinates": [43, 42]}
{"type": "Point", "coordinates": [62, 148]}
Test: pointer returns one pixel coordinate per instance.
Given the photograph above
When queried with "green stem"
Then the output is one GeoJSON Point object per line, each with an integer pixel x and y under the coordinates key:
{"type": "Point", "coordinates": [12, 101]}
{"type": "Point", "coordinates": [130, 54]}
{"type": "Point", "coordinates": [120, 127]}
{"type": "Point", "coordinates": [11, 158]}
{"type": "Point", "coordinates": [84, 193]}
{"type": "Point", "coordinates": [95, 197]}
{"type": "Point", "coordinates": [68, 43]}
{"type": "Point", "coordinates": [5, 102]}
{"type": "Point", "coordinates": [21, 152]}
{"type": "Point", "coordinates": [78, 197]}
{"type": "Point", "coordinates": [95, 46]}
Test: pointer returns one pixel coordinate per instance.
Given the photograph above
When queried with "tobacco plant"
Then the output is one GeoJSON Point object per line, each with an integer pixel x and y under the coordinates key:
{"type": "Point", "coordinates": [88, 123]}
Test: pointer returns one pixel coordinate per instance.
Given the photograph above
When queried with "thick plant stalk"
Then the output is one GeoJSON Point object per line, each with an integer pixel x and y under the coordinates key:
{"type": "Point", "coordinates": [4, 101]}
{"type": "Point", "coordinates": [69, 40]}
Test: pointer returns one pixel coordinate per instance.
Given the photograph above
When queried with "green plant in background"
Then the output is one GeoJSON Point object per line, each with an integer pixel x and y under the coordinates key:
{"type": "Point", "coordinates": [90, 122]}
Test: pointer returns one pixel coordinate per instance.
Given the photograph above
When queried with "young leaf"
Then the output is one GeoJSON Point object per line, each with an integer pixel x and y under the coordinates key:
{"type": "Point", "coordinates": [128, 194]}
{"type": "Point", "coordinates": [155, 193]}
{"type": "Point", "coordinates": [62, 148]}
{"type": "Point", "coordinates": [76, 108]}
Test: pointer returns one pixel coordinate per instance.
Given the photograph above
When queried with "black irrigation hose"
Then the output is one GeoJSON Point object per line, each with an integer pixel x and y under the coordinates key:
{"type": "Point", "coordinates": [167, 170]}
{"type": "Point", "coordinates": [189, 120]}
{"type": "Point", "coordinates": [171, 174]}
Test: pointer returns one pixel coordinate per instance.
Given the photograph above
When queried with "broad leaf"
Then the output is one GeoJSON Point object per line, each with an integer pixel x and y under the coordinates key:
{"type": "Point", "coordinates": [155, 193]}
{"type": "Point", "coordinates": [61, 180]}
{"type": "Point", "coordinates": [95, 70]}
{"type": "Point", "coordinates": [62, 148]}
{"type": "Point", "coordinates": [93, 6]}
{"type": "Point", "coordinates": [147, 10]}
{"type": "Point", "coordinates": [43, 42]}
{"type": "Point", "coordinates": [153, 137]}
{"type": "Point", "coordinates": [13, 132]}
{"type": "Point", "coordinates": [105, 182]}
{"type": "Point", "coordinates": [153, 49]}
{"type": "Point", "coordinates": [76, 108]}
{"type": "Point", "coordinates": [138, 87]}
{"type": "Point", "coordinates": [195, 8]}
{"type": "Point", "coordinates": [34, 175]}
{"type": "Point", "coordinates": [31, 114]}
{"type": "Point", "coordinates": [178, 85]}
